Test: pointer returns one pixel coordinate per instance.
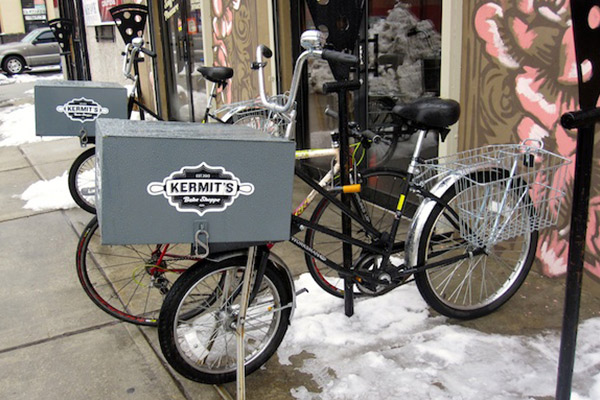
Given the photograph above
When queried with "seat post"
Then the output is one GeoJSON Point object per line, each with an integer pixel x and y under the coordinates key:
{"type": "Point", "coordinates": [417, 152]}
{"type": "Point", "coordinates": [213, 96]}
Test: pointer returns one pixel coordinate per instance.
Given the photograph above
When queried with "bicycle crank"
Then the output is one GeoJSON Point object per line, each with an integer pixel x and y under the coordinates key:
{"type": "Point", "coordinates": [384, 278]}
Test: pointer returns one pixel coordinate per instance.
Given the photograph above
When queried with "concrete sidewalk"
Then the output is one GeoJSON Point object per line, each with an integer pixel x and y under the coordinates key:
{"type": "Point", "coordinates": [56, 344]}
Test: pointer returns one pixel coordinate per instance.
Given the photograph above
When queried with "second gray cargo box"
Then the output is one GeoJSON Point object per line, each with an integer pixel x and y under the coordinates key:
{"type": "Point", "coordinates": [163, 182]}
{"type": "Point", "coordinates": [71, 108]}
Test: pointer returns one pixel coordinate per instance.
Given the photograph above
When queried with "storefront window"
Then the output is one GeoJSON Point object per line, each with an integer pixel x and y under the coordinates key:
{"type": "Point", "coordinates": [187, 93]}
{"type": "Point", "coordinates": [404, 58]}
{"type": "Point", "coordinates": [34, 14]}
{"type": "Point", "coordinates": [404, 53]}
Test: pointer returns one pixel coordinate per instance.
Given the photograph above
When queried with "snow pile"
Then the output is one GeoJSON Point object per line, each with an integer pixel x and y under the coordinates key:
{"type": "Point", "coordinates": [48, 195]}
{"type": "Point", "coordinates": [17, 126]}
{"type": "Point", "coordinates": [393, 349]}
{"type": "Point", "coordinates": [25, 78]}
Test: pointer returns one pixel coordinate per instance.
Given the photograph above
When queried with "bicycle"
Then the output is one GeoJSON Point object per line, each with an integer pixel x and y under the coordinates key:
{"type": "Point", "coordinates": [470, 244]}
{"type": "Point", "coordinates": [132, 291]}
{"type": "Point", "coordinates": [81, 176]}
{"type": "Point", "coordinates": [128, 282]}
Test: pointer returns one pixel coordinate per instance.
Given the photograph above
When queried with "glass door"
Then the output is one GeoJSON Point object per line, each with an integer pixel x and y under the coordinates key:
{"type": "Point", "coordinates": [183, 26]}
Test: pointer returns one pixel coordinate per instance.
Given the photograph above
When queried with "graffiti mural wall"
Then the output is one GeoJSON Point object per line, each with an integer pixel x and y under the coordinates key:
{"type": "Point", "coordinates": [238, 28]}
{"type": "Point", "coordinates": [519, 74]}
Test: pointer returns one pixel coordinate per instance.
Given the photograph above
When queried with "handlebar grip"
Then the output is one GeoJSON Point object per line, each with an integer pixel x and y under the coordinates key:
{"type": "Point", "coordinates": [336, 87]}
{"type": "Point", "coordinates": [375, 138]}
{"type": "Point", "coordinates": [339, 57]}
{"type": "Point", "coordinates": [578, 119]}
{"type": "Point", "coordinates": [148, 52]}
{"type": "Point", "coordinates": [330, 113]}
{"type": "Point", "coordinates": [266, 52]}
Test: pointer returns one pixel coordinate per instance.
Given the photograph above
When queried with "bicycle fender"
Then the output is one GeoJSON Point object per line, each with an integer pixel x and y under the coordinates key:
{"type": "Point", "coordinates": [426, 207]}
{"type": "Point", "coordinates": [286, 276]}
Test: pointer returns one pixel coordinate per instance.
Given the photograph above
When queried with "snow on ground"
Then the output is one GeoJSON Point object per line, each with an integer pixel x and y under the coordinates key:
{"type": "Point", "coordinates": [22, 78]}
{"type": "Point", "coordinates": [393, 349]}
{"type": "Point", "coordinates": [48, 195]}
{"type": "Point", "coordinates": [17, 126]}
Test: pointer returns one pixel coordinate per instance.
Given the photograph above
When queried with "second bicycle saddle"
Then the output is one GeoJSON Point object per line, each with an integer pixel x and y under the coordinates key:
{"type": "Point", "coordinates": [429, 112]}
{"type": "Point", "coordinates": [218, 75]}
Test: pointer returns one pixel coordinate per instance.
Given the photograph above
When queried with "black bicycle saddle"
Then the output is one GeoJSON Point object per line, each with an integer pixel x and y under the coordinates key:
{"type": "Point", "coordinates": [217, 75]}
{"type": "Point", "coordinates": [430, 112]}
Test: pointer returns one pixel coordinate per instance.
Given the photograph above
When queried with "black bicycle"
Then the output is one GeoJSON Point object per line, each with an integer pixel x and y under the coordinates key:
{"type": "Point", "coordinates": [468, 246]}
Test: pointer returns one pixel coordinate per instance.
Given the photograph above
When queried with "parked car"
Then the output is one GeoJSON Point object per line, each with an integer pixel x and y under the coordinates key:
{"type": "Point", "coordinates": [37, 48]}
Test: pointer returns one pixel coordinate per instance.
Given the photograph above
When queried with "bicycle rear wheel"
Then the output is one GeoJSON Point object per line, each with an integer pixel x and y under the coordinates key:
{"type": "Point", "coordinates": [196, 327]}
{"type": "Point", "coordinates": [82, 180]}
{"type": "Point", "coordinates": [477, 285]}
{"type": "Point", "coordinates": [127, 282]}
{"type": "Point", "coordinates": [380, 192]}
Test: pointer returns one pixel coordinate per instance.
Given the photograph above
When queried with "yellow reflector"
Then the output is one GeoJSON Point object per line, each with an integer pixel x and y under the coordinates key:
{"type": "Point", "coordinates": [401, 202]}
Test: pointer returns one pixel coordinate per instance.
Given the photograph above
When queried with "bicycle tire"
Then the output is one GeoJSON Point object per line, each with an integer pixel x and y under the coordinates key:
{"type": "Point", "coordinates": [196, 348]}
{"type": "Point", "coordinates": [381, 200]}
{"type": "Point", "coordinates": [452, 290]}
{"type": "Point", "coordinates": [122, 280]}
{"type": "Point", "coordinates": [259, 118]}
{"type": "Point", "coordinates": [82, 183]}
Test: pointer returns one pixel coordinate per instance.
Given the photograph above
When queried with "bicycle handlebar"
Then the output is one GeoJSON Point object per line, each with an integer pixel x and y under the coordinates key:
{"type": "Point", "coordinates": [375, 138]}
{"type": "Point", "coordinates": [355, 130]}
{"type": "Point", "coordinates": [578, 119]}
{"type": "Point", "coordinates": [265, 51]}
{"type": "Point", "coordinates": [339, 57]}
{"type": "Point", "coordinates": [148, 52]}
{"type": "Point", "coordinates": [313, 49]}
{"type": "Point", "coordinates": [131, 53]}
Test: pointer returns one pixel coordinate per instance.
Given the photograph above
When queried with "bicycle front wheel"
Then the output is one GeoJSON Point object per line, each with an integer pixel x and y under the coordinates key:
{"type": "Point", "coordinates": [480, 284]}
{"type": "Point", "coordinates": [198, 321]}
{"type": "Point", "coordinates": [128, 282]}
{"type": "Point", "coordinates": [381, 189]}
{"type": "Point", "coordinates": [82, 180]}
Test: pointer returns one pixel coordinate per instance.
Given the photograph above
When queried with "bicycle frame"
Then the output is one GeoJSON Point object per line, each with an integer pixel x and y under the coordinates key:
{"type": "Point", "coordinates": [387, 247]}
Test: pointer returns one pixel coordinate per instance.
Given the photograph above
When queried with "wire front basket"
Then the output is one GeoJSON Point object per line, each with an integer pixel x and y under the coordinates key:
{"type": "Point", "coordinates": [503, 191]}
{"type": "Point", "coordinates": [254, 114]}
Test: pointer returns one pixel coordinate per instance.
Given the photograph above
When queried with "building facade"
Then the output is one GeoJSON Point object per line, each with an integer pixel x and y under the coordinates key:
{"type": "Point", "coordinates": [510, 64]}
{"type": "Point", "coordinates": [18, 17]}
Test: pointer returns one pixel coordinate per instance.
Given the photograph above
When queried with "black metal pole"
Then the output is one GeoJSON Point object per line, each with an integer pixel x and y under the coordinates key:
{"type": "Point", "coordinates": [585, 39]}
{"type": "Point", "coordinates": [579, 217]}
{"type": "Point", "coordinates": [346, 200]}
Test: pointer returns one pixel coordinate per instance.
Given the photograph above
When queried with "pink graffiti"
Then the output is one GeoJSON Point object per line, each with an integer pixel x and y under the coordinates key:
{"type": "Point", "coordinates": [223, 16]}
{"type": "Point", "coordinates": [531, 41]}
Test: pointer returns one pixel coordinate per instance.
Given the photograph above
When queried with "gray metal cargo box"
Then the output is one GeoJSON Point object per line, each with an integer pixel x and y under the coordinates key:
{"type": "Point", "coordinates": [64, 108]}
{"type": "Point", "coordinates": [163, 182]}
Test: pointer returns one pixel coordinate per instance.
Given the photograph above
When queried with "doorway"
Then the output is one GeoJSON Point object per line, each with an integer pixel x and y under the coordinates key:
{"type": "Point", "coordinates": [182, 24]}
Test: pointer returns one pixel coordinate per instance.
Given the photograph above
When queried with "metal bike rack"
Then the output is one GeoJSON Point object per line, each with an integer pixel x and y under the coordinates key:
{"type": "Point", "coordinates": [342, 21]}
{"type": "Point", "coordinates": [130, 20]}
{"type": "Point", "coordinates": [589, 90]}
